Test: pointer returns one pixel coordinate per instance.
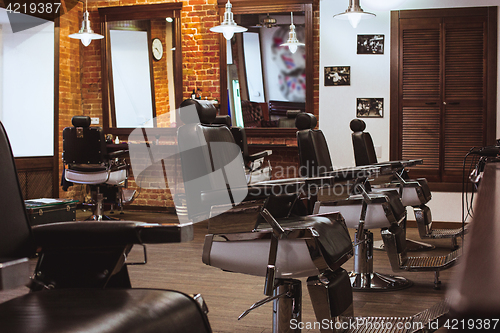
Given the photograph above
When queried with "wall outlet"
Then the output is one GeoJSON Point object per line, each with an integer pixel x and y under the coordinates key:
{"type": "Point", "coordinates": [378, 151]}
{"type": "Point", "coordinates": [94, 121]}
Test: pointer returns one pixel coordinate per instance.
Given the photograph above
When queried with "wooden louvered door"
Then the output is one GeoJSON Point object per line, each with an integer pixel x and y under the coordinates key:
{"type": "Point", "coordinates": [464, 94]}
{"type": "Point", "coordinates": [441, 106]}
{"type": "Point", "coordinates": [421, 93]}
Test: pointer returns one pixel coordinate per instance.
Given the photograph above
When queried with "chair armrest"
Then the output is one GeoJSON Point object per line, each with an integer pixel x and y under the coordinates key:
{"type": "Point", "coordinates": [98, 234]}
{"type": "Point", "coordinates": [260, 154]}
{"type": "Point", "coordinates": [14, 273]}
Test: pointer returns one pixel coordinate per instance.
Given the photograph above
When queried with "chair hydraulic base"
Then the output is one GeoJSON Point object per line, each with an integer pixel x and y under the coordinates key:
{"type": "Point", "coordinates": [287, 305]}
{"type": "Point", "coordinates": [363, 278]}
{"type": "Point", "coordinates": [378, 282]}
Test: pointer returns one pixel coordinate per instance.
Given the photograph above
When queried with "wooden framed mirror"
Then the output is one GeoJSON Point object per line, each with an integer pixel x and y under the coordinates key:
{"type": "Point", "coordinates": [140, 88]}
{"type": "Point", "coordinates": [234, 79]}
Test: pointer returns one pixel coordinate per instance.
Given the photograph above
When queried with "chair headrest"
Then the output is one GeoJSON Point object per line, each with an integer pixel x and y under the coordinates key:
{"type": "Point", "coordinates": [205, 112]}
{"type": "Point", "coordinates": [305, 121]}
{"type": "Point", "coordinates": [81, 121]}
{"type": "Point", "coordinates": [357, 125]}
{"type": "Point", "coordinates": [224, 120]}
{"type": "Point", "coordinates": [292, 113]}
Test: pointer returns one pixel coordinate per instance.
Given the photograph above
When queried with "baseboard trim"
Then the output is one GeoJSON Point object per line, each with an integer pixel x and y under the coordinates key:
{"type": "Point", "coordinates": [437, 225]}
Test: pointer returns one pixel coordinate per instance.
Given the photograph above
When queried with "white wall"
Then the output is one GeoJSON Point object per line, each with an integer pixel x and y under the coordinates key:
{"type": "Point", "coordinates": [370, 77]}
{"type": "Point", "coordinates": [27, 108]}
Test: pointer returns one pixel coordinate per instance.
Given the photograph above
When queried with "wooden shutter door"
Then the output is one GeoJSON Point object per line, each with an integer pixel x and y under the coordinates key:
{"type": "Point", "coordinates": [464, 97]}
{"type": "Point", "coordinates": [443, 88]}
{"type": "Point", "coordinates": [420, 82]}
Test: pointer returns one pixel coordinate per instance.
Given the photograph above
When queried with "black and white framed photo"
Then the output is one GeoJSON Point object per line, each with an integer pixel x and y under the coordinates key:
{"type": "Point", "coordinates": [370, 108]}
{"type": "Point", "coordinates": [338, 76]}
{"type": "Point", "coordinates": [370, 44]}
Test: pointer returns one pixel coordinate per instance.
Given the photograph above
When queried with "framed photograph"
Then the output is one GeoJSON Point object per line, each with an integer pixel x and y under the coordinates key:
{"type": "Point", "coordinates": [370, 108]}
{"type": "Point", "coordinates": [370, 44]}
{"type": "Point", "coordinates": [338, 76]}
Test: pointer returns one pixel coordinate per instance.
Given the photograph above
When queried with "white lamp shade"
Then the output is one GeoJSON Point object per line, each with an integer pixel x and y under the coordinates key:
{"type": "Point", "coordinates": [86, 34]}
{"type": "Point", "coordinates": [86, 37]}
{"type": "Point", "coordinates": [228, 30]}
{"type": "Point", "coordinates": [228, 27]}
{"type": "Point", "coordinates": [354, 14]}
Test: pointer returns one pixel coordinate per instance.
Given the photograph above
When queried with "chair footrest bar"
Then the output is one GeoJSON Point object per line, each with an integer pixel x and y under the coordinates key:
{"type": "Point", "coordinates": [432, 263]}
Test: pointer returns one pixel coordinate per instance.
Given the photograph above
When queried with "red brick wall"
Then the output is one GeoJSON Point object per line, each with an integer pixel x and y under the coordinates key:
{"type": "Point", "coordinates": [158, 30]}
{"type": "Point", "coordinates": [70, 90]}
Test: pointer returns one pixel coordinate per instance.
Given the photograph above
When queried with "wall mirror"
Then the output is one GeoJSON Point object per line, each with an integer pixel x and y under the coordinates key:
{"type": "Point", "coordinates": [141, 66]}
{"type": "Point", "coordinates": [263, 84]}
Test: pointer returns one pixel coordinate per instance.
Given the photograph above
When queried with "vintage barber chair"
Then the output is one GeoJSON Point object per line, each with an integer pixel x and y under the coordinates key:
{"type": "Point", "coordinates": [257, 166]}
{"type": "Point", "coordinates": [364, 211]}
{"type": "Point", "coordinates": [264, 238]}
{"type": "Point", "coordinates": [87, 161]}
{"type": "Point", "coordinates": [415, 192]}
{"type": "Point", "coordinates": [77, 261]}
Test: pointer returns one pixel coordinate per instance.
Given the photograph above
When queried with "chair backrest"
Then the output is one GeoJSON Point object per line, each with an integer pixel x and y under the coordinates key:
{"type": "Point", "coordinates": [313, 150]}
{"type": "Point", "coordinates": [240, 138]}
{"type": "Point", "coordinates": [211, 161]}
{"type": "Point", "coordinates": [15, 233]}
{"type": "Point", "coordinates": [83, 144]}
{"type": "Point", "coordinates": [364, 150]}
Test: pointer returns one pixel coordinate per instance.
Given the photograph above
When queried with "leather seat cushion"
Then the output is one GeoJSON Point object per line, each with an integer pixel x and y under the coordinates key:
{"type": "Point", "coordinates": [333, 236]}
{"type": "Point", "coordinates": [94, 310]}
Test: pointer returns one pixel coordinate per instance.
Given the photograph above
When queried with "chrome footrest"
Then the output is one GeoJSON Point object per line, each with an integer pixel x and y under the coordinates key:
{"type": "Point", "coordinates": [445, 233]}
{"type": "Point", "coordinates": [431, 263]}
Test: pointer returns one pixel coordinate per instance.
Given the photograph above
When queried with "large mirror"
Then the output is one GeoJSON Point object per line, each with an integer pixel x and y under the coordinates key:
{"type": "Point", "coordinates": [264, 85]}
{"type": "Point", "coordinates": [142, 66]}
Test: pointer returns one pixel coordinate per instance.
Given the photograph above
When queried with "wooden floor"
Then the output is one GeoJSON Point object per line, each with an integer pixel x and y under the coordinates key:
{"type": "Point", "coordinates": [179, 267]}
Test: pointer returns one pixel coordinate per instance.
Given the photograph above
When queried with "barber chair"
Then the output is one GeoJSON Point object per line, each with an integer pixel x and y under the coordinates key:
{"type": "Point", "coordinates": [363, 211]}
{"type": "Point", "coordinates": [414, 192]}
{"type": "Point", "coordinates": [81, 272]}
{"type": "Point", "coordinates": [256, 168]}
{"type": "Point", "coordinates": [267, 234]}
{"type": "Point", "coordinates": [87, 161]}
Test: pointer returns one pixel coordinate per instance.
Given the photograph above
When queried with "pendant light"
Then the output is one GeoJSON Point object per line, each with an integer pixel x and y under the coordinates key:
{"type": "Point", "coordinates": [354, 13]}
{"type": "Point", "coordinates": [86, 34]}
{"type": "Point", "coordinates": [292, 41]}
{"type": "Point", "coordinates": [228, 27]}
{"type": "Point", "coordinates": [268, 22]}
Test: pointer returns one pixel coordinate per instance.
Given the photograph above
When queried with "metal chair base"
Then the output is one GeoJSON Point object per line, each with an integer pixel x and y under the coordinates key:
{"type": "Point", "coordinates": [378, 282]}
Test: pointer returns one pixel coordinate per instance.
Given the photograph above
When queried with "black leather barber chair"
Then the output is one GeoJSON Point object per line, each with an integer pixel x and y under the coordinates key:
{"type": "Point", "coordinates": [268, 234]}
{"type": "Point", "coordinates": [81, 272]}
{"type": "Point", "coordinates": [87, 161]}
{"type": "Point", "coordinates": [414, 192]}
{"type": "Point", "coordinates": [257, 166]}
{"type": "Point", "coordinates": [363, 210]}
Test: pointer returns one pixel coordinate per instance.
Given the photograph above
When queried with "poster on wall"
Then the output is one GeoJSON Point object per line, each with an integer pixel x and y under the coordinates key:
{"type": "Point", "coordinates": [338, 76]}
{"type": "Point", "coordinates": [370, 108]}
{"type": "Point", "coordinates": [370, 44]}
